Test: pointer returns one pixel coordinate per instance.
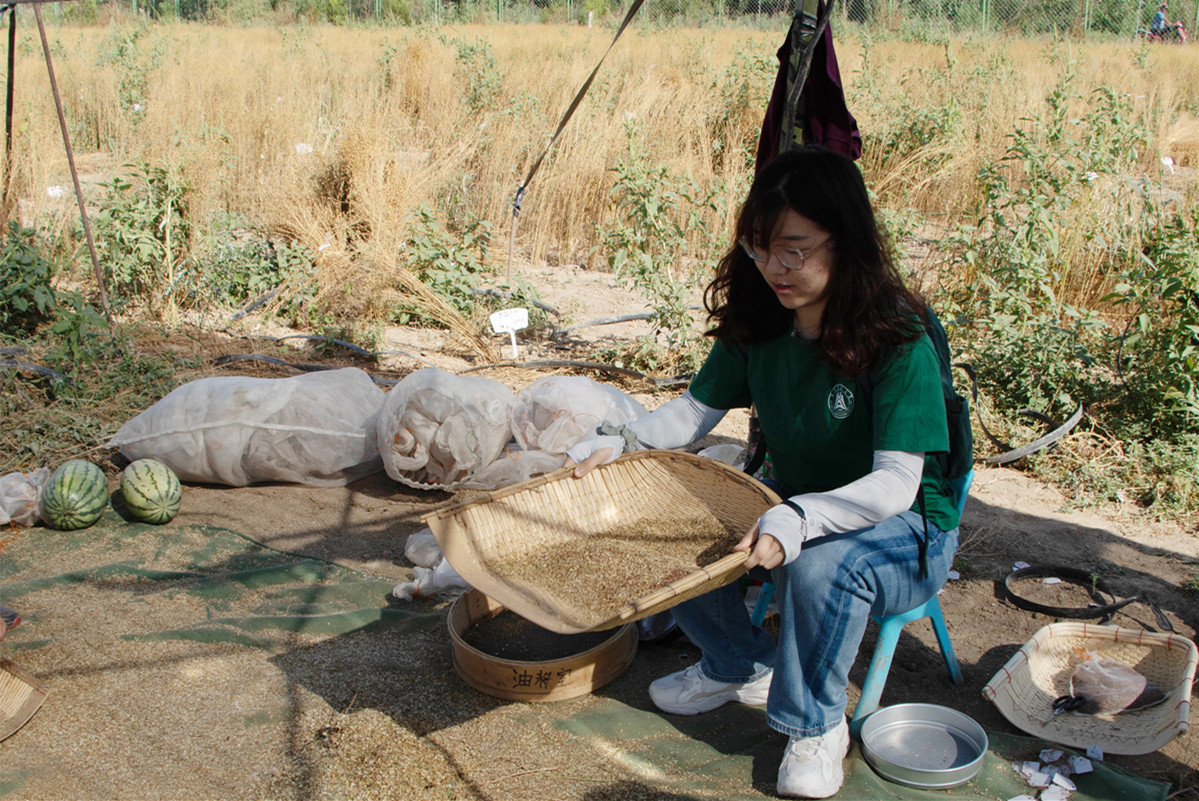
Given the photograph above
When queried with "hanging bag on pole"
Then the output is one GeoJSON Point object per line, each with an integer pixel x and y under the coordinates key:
{"type": "Point", "coordinates": [807, 104]}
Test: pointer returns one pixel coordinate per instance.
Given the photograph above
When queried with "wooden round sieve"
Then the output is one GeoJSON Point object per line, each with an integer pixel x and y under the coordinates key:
{"type": "Point", "coordinates": [533, 680]}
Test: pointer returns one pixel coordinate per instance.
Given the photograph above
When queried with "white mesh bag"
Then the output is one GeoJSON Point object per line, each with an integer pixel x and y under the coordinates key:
{"type": "Point", "coordinates": [436, 429]}
{"type": "Point", "coordinates": [556, 412]}
{"type": "Point", "coordinates": [316, 429]}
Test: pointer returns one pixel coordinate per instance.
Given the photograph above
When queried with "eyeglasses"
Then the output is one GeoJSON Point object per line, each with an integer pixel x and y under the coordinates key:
{"type": "Point", "coordinates": [790, 257]}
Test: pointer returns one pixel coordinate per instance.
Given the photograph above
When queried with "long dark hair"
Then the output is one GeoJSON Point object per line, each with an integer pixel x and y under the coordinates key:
{"type": "Point", "coordinates": [870, 312]}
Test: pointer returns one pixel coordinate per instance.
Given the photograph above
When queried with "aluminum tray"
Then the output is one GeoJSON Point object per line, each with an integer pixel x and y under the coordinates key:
{"type": "Point", "coordinates": [924, 745]}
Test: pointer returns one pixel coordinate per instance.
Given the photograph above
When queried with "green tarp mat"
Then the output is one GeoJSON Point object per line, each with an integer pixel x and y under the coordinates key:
{"type": "Point", "coordinates": [191, 661]}
{"type": "Point", "coordinates": [731, 743]}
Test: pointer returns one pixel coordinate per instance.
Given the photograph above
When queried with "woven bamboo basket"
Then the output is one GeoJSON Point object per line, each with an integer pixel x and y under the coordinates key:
{"type": "Point", "coordinates": [21, 694]}
{"type": "Point", "coordinates": [1024, 689]}
{"type": "Point", "coordinates": [555, 507]}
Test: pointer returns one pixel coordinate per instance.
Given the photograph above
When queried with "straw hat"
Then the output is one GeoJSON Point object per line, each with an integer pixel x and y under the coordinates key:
{"type": "Point", "coordinates": [1024, 689]}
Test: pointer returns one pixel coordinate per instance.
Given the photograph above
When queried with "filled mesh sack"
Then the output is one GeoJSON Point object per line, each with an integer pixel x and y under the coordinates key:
{"type": "Point", "coordinates": [557, 412]}
{"type": "Point", "coordinates": [316, 429]}
{"type": "Point", "coordinates": [437, 430]}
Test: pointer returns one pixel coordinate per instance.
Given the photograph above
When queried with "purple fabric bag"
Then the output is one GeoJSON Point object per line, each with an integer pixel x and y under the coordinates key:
{"type": "Point", "coordinates": [822, 112]}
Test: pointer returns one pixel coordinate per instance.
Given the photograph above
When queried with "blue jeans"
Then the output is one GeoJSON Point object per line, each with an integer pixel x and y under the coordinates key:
{"type": "Point", "coordinates": [825, 596]}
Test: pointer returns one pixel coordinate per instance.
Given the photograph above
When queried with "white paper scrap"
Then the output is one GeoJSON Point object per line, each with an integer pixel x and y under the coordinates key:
{"type": "Point", "coordinates": [1020, 565]}
{"type": "Point", "coordinates": [1095, 753]}
{"type": "Point", "coordinates": [1039, 779]}
{"type": "Point", "coordinates": [1055, 794]}
{"type": "Point", "coordinates": [1022, 798]}
{"type": "Point", "coordinates": [1051, 580]}
{"type": "Point", "coordinates": [1050, 755]}
{"type": "Point", "coordinates": [954, 575]}
{"type": "Point", "coordinates": [1026, 769]}
{"type": "Point", "coordinates": [1081, 764]}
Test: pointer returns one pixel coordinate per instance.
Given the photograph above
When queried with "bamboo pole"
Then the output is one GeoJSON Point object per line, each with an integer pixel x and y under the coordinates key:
{"type": "Point", "coordinates": [66, 141]}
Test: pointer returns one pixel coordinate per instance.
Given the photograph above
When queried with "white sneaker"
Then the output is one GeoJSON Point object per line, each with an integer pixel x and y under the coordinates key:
{"type": "Point", "coordinates": [689, 692]}
{"type": "Point", "coordinates": [811, 766]}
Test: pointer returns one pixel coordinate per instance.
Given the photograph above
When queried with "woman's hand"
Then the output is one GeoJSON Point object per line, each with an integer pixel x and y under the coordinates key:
{"type": "Point", "coordinates": [598, 457]}
{"type": "Point", "coordinates": [764, 550]}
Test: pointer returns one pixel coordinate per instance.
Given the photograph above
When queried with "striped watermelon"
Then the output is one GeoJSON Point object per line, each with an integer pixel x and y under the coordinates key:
{"type": "Point", "coordinates": [151, 491]}
{"type": "Point", "coordinates": [74, 496]}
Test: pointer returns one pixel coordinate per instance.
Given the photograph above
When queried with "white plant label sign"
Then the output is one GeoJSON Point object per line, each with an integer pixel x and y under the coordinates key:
{"type": "Point", "coordinates": [509, 321]}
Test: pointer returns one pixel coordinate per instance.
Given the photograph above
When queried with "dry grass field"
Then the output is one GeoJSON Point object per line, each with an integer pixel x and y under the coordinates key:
{"type": "Point", "coordinates": [320, 132]}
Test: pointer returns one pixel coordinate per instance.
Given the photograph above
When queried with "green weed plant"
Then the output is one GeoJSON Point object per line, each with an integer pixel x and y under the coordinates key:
{"type": "Point", "coordinates": [144, 239]}
{"type": "Point", "coordinates": [48, 421]}
{"type": "Point", "coordinates": [450, 263]}
{"type": "Point", "coordinates": [27, 296]}
{"type": "Point", "coordinates": [238, 264]}
{"type": "Point", "coordinates": [1080, 290]}
{"type": "Point", "coordinates": [103, 380]}
{"type": "Point", "coordinates": [663, 228]}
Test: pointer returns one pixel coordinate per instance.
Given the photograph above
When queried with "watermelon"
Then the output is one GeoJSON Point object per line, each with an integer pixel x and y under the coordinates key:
{"type": "Point", "coordinates": [151, 491]}
{"type": "Point", "coordinates": [74, 496]}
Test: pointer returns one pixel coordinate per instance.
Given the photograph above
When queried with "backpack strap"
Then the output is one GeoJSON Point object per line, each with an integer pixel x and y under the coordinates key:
{"type": "Point", "coordinates": [922, 542]}
{"type": "Point", "coordinates": [757, 444]}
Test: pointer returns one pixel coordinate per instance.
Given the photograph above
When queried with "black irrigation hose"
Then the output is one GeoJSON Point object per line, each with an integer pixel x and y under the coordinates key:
{"type": "Point", "coordinates": [1010, 454]}
{"type": "Point", "coordinates": [13, 364]}
{"type": "Point", "coordinates": [302, 367]}
{"type": "Point", "coordinates": [327, 340]}
{"type": "Point", "coordinates": [1095, 586]}
{"type": "Point", "coordinates": [1037, 444]}
{"type": "Point", "coordinates": [623, 318]}
{"type": "Point", "coordinates": [220, 361]}
{"type": "Point", "coordinates": [350, 346]}
{"type": "Point", "coordinates": [499, 293]}
{"type": "Point", "coordinates": [254, 304]}
{"type": "Point", "coordinates": [598, 366]}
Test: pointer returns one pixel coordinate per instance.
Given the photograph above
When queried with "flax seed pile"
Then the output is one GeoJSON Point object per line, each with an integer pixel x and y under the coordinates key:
{"type": "Point", "coordinates": [600, 573]}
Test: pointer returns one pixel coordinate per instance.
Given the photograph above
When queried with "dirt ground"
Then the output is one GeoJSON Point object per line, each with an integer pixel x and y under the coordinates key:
{"type": "Point", "coordinates": [378, 713]}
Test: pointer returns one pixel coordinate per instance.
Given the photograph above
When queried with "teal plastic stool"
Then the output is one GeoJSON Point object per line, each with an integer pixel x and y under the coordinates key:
{"type": "Point", "coordinates": [888, 637]}
{"type": "Point", "coordinates": [884, 651]}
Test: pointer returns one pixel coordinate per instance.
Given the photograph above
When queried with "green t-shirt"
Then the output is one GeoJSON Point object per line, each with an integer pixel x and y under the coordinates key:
{"type": "Point", "coordinates": [820, 430]}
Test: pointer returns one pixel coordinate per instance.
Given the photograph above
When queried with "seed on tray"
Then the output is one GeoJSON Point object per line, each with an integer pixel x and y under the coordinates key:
{"type": "Point", "coordinates": [601, 572]}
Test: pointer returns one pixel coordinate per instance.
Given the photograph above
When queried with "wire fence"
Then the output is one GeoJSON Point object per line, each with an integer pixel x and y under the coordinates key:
{"type": "Point", "coordinates": [920, 18]}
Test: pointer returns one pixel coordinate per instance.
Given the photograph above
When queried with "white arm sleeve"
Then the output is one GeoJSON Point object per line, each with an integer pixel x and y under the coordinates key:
{"type": "Point", "coordinates": [676, 423]}
{"type": "Point", "coordinates": [888, 489]}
